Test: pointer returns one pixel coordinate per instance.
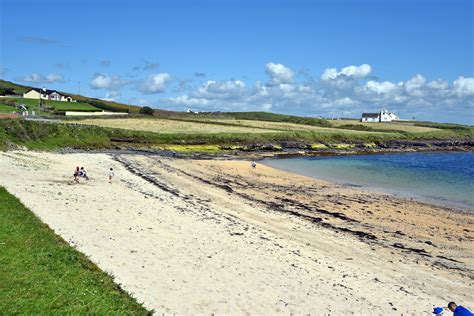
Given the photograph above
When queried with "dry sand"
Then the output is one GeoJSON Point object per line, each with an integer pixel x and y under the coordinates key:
{"type": "Point", "coordinates": [188, 236]}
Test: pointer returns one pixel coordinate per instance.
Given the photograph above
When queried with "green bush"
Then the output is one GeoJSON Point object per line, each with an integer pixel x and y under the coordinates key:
{"type": "Point", "coordinates": [147, 110]}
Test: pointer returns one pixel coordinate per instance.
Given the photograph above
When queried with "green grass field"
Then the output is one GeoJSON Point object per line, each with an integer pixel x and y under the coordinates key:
{"type": "Point", "coordinates": [54, 105]}
{"type": "Point", "coordinates": [4, 108]}
{"type": "Point", "coordinates": [42, 275]}
{"type": "Point", "coordinates": [37, 135]}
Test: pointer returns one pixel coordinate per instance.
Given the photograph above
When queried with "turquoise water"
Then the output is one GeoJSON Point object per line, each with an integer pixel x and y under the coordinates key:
{"type": "Point", "coordinates": [441, 178]}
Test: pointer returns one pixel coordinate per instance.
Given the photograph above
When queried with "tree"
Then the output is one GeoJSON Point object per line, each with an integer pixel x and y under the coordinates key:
{"type": "Point", "coordinates": [147, 110]}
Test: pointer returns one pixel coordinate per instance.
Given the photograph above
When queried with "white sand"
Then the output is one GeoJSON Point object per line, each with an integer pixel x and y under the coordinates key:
{"type": "Point", "coordinates": [209, 251]}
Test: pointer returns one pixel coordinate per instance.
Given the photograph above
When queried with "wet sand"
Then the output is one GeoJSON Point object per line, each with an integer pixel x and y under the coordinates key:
{"type": "Point", "coordinates": [215, 236]}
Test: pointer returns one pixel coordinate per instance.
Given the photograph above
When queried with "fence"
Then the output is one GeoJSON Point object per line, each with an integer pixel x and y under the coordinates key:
{"type": "Point", "coordinates": [9, 115]}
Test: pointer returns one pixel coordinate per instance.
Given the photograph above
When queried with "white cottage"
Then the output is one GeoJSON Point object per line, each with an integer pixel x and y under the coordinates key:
{"type": "Point", "coordinates": [45, 94]}
{"type": "Point", "coordinates": [382, 116]}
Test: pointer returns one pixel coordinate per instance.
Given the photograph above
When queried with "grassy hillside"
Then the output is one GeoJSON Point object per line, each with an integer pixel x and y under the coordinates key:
{"type": "Point", "coordinates": [9, 88]}
{"type": "Point", "coordinates": [42, 274]}
{"type": "Point", "coordinates": [6, 108]}
{"type": "Point", "coordinates": [33, 105]}
{"type": "Point", "coordinates": [257, 116]}
{"type": "Point", "coordinates": [37, 135]}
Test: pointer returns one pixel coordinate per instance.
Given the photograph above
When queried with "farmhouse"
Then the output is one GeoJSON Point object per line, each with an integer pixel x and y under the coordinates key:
{"type": "Point", "coordinates": [382, 116]}
{"type": "Point", "coordinates": [45, 94]}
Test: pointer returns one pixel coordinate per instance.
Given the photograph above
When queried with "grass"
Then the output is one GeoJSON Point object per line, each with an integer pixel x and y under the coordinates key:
{"type": "Point", "coordinates": [18, 89]}
{"type": "Point", "coordinates": [256, 116]}
{"type": "Point", "coordinates": [395, 126]}
{"type": "Point", "coordinates": [32, 104]}
{"type": "Point", "coordinates": [4, 108]}
{"type": "Point", "coordinates": [42, 274]}
{"type": "Point", "coordinates": [38, 135]}
{"type": "Point", "coordinates": [170, 125]}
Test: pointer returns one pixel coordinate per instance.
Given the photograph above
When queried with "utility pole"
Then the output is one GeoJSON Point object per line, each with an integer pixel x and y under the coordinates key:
{"type": "Point", "coordinates": [79, 88]}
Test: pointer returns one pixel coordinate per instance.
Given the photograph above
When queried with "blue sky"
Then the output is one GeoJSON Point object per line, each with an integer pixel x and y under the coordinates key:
{"type": "Point", "coordinates": [328, 58]}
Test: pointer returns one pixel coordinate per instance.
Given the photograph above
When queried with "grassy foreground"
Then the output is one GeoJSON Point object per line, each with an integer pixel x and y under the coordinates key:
{"type": "Point", "coordinates": [41, 274]}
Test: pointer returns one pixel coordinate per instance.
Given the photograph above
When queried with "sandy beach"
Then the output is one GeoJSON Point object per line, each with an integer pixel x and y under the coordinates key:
{"type": "Point", "coordinates": [214, 236]}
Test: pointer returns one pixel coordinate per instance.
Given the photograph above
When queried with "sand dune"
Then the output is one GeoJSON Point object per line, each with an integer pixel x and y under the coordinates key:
{"type": "Point", "coordinates": [207, 237]}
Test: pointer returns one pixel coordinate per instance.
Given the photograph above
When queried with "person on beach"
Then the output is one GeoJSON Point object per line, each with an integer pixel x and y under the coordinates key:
{"type": "Point", "coordinates": [111, 174]}
{"type": "Point", "coordinates": [254, 165]}
{"type": "Point", "coordinates": [83, 173]}
{"type": "Point", "coordinates": [76, 174]}
{"type": "Point", "coordinates": [459, 310]}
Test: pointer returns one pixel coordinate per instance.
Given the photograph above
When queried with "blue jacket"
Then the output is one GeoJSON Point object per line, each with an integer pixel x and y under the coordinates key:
{"type": "Point", "coordinates": [462, 311]}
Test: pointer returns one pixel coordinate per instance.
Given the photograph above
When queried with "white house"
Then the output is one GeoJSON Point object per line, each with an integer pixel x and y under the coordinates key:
{"type": "Point", "coordinates": [382, 116]}
{"type": "Point", "coordinates": [45, 94]}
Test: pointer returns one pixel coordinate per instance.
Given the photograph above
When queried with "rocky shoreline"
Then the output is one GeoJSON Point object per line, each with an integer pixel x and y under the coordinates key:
{"type": "Point", "coordinates": [292, 149]}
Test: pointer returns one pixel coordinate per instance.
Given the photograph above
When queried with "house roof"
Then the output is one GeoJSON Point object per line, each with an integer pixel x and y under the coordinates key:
{"type": "Point", "coordinates": [43, 91]}
{"type": "Point", "coordinates": [370, 115]}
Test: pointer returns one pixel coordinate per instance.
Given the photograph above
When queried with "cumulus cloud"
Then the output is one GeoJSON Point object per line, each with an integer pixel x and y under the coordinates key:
{"type": "Point", "coordinates": [279, 74]}
{"type": "Point", "coordinates": [38, 78]}
{"type": "Point", "coordinates": [155, 83]}
{"type": "Point", "coordinates": [386, 88]}
{"type": "Point", "coordinates": [463, 87]}
{"type": "Point", "coordinates": [112, 96]}
{"type": "Point", "coordinates": [415, 86]}
{"type": "Point", "coordinates": [222, 87]}
{"type": "Point", "coordinates": [350, 90]}
{"type": "Point", "coordinates": [346, 78]}
{"type": "Point", "coordinates": [188, 101]}
{"type": "Point", "coordinates": [356, 72]}
{"type": "Point", "coordinates": [105, 81]}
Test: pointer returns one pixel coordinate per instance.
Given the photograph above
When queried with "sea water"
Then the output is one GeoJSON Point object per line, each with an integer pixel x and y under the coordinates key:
{"type": "Point", "coordinates": [443, 178]}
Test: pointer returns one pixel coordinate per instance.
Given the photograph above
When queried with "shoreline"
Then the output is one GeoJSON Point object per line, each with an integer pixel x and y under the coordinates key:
{"type": "Point", "coordinates": [262, 156]}
{"type": "Point", "coordinates": [213, 236]}
{"type": "Point", "coordinates": [457, 206]}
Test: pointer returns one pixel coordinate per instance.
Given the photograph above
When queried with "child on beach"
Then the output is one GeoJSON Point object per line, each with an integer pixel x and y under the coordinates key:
{"type": "Point", "coordinates": [254, 165]}
{"type": "Point", "coordinates": [83, 173]}
{"type": "Point", "coordinates": [111, 174]}
{"type": "Point", "coordinates": [76, 174]}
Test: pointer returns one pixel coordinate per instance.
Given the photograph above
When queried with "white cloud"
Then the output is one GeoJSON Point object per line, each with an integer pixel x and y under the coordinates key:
{"type": "Point", "coordinates": [348, 72]}
{"type": "Point", "coordinates": [112, 96]}
{"type": "Point", "coordinates": [37, 78]}
{"type": "Point", "coordinates": [279, 74]}
{"type": "Point", "coordinates": [187, 101]}
{"type": "Point", "coordinates": [345, 79]}
{"type": "Point", "coordinates": [385, 87]}
{"type": "Point", "coordinates": [415, 85]}
{"type": "Point", "coordinates": [220, 87]}
{"type": "Point", "coordinates": [155, 83]}
{"type": "Point", "coordinates": [266, 107]}
{"type": "Point", "coordinates": [463, 86]}
{"type": "Point", "coordinates": [349, 91]}
{"type": "Point", "coordinates": [104, 81]}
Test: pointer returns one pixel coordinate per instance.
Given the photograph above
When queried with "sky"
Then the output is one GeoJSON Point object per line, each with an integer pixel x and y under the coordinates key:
{"type": "Point", "coordinates": [312, 58]}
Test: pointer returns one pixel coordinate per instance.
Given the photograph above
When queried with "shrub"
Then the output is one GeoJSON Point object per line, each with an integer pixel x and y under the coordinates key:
{"type": "Point", "coordinates": [147, 110]}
